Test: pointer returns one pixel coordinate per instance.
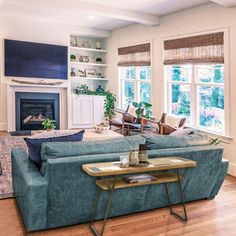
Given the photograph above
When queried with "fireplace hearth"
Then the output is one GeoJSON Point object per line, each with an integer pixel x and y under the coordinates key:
{"type": "Point", "coordinates": [33, 108]}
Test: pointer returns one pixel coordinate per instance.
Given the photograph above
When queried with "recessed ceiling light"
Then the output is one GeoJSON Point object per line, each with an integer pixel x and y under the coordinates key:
{"type": "Point", "coordinates": [91, 17]}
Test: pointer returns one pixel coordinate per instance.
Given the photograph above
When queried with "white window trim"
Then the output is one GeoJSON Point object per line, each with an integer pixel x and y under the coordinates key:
{"type": "Point", "coordinates": [227, 100]}
{"type": "Point", "coordinates": [119, 82]}
{"type": "Point", "coordinates": [136, 82]}
{"type": "Point", "coordinates": [194, 98]}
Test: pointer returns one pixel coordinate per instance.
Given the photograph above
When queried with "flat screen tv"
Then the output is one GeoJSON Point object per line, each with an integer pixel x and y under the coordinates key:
{"type": "Point", "coordinates": [35, 60]}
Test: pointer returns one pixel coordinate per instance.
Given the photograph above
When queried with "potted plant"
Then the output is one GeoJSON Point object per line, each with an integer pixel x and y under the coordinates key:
{"type": "Point", "coordinates": [143, 110]}
{"type": "Point", "coordinates": [99, 60]}
{"type": "Point", "coordinates": [72, 57]}
{"type": "Point", "coordinates": [49, 124]}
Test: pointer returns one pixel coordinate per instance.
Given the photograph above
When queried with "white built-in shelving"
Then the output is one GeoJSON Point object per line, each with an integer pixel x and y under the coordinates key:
{"type": "Point", "coordinates": [89, 49]}
{"type": "Point", "coordinates": [79, 65]}
{"type": "Point", "coordinates": [87, 63]}
{"type": "Point", "coordinates": [77, 78]}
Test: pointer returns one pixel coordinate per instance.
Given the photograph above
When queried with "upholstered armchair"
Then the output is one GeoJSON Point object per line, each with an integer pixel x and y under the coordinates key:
{"type": "Point", "coordinates": [170, 123]}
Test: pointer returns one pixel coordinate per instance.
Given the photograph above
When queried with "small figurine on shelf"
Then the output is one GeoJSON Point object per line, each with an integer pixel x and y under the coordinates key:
{"type": "Point", "coordinates": [72, 73]}
{"type": "Point", "coordinates": [99, 89]}
{"type": "Point", "coordinates": [99, 75]}
{"type": "Point", "coordinates": [98, 45]}
{"type": "Point", "coordinates": [84, 59]}
{"type": "Point", "coordinates": [86, 44]}
{"type": "Point", "coordinates": [81, 73]}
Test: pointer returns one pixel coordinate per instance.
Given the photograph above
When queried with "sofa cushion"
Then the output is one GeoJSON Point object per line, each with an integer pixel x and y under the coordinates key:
{"type": "Point", "coordinates": [166, 141]}
{"type": "Point", "coordinates": [34, 145]}
{"type": "Point", "coordinates": [69, 149]}
{"type": "Point", "coordinates": [135, 140]}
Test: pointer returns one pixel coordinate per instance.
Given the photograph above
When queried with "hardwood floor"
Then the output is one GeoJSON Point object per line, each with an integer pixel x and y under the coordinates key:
{"type": "Point", "coordinates": [206, 217]}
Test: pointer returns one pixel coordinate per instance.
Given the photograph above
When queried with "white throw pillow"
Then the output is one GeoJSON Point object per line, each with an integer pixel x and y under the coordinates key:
{"type": "Point", "coordinates": [173, 120]}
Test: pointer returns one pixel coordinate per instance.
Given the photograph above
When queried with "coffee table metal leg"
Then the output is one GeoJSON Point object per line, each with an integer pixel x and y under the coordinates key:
{"type": "Point", "coordinates": [185, 218]}
{"type": "Point", "coordinates": [111, 188]}
{"type": "Point", "coordinates": [182, 197]}
{"type": "Point", "coordinates": [95, 206]}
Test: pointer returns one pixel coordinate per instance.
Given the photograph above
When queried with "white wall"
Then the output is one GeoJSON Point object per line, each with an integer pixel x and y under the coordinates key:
{"type": "Point", "coordinates": [200, 19]}
{"type": "Point", "coordinates": [20, 28]}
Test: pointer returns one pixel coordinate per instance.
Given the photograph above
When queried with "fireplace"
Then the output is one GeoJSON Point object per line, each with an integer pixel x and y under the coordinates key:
{"type": "Point", "coordinates": [33, 108]}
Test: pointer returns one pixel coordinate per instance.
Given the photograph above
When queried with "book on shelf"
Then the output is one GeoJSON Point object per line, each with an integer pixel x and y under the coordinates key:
{"type": "Point", "coordinates": [131, 179]}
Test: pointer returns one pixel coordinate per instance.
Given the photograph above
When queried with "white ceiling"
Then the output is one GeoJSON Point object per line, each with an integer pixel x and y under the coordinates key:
{"type": "Point", "coordinates": [157, 7]}
{"type": "Point", "coordinates": [108, 14]}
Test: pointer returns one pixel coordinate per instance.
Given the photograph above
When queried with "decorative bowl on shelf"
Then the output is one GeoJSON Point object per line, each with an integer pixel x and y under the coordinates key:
{"type": "Point", "coordinates": [101, 127]}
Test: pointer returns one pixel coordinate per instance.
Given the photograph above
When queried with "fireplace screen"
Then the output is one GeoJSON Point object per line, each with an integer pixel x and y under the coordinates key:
{"type": "Point", "coordinates": [33, 108]}
{"type": "Point", "coordinates": [34, 112]}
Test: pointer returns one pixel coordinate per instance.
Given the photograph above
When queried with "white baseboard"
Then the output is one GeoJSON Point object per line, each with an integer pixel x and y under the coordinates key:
{"type": "Point", "coordinates": [3, 126]}
{"type": "Point", "coordinates": [232, 169]}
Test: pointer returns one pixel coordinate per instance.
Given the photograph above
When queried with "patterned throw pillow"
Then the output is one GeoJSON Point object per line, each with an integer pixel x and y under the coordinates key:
{"type": "Point", "coordinates": [35, 144]}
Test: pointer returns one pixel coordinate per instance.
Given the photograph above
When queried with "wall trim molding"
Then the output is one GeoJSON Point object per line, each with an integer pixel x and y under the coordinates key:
{"type": "Point", "coordinates": [3, 126]}
{"type": "Point", "coordinates": [232, 169]}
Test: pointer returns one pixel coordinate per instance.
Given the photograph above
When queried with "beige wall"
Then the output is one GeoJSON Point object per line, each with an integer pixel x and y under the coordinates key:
{"type": "Point", "coordinates": [205, 18]}
{"type": "Point", "coordinates": [20, 28]}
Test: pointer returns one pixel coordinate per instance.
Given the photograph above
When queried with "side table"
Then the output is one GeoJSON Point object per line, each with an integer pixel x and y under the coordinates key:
{"type": "Point", "coordinates": [108, 179]}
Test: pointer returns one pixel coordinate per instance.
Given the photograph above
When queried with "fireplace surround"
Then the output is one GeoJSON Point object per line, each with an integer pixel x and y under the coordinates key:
{"type": "Point", "coordinates": [62, 90]}
{"type": "Point", "coordinates": [32, 108]}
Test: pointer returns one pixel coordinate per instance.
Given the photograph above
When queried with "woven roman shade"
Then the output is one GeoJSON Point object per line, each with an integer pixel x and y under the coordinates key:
{"type": "Point", "coordinates": [207, 48]}
{"type": "Point", "coordinates": [137, 55]}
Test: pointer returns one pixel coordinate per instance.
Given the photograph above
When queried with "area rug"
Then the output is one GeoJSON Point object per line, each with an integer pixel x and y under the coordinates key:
{"type": "Point", "coordinates": [7, 143]}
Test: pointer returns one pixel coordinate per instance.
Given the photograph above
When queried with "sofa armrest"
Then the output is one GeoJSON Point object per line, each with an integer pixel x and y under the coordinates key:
{"type": "Point", "coordinates": [220, 178]}
{"type": "Point", "coordinates": [30, 189]}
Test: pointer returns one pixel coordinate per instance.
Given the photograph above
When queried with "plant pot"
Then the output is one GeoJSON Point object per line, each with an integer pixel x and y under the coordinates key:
{"type": "Point", "coordinates": [49, 129]}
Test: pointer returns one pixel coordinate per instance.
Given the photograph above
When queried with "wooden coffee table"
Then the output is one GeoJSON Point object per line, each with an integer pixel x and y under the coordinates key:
{"type": "Point", "coordinates": [107, 174]}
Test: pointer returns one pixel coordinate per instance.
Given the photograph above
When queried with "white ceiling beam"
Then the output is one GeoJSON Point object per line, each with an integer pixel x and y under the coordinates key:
{"type": "Point", "coordinates": [115, 13]}
{"type": "Point", "coordinates": [225, 3]}
{"type": "Point", "coordinates": [97, 9]}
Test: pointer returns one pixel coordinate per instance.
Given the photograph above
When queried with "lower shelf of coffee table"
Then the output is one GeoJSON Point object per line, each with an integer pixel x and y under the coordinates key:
{"type": "Point", "coordinates": [120, 183]}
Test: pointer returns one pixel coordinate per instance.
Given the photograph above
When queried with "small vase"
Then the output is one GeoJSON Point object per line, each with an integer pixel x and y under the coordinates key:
{"type": "Point", "coordinates": [133, 158]}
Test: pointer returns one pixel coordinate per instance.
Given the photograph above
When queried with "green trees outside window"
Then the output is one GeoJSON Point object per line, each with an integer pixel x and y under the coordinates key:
{"type": "Point", "coordinates": [197, 92]}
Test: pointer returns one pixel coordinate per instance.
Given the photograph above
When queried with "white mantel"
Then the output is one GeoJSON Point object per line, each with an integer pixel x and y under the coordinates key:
{"type": "Point", "coordinates": [63, 90]}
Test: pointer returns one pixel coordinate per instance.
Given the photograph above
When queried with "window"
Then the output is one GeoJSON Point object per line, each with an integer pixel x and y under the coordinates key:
{"type": "Point", "coordinates": [135, 84]}
{"type": "Point", "coordinates": [134, 64]}
{"type": "Point", "coordinates": [197, 92]}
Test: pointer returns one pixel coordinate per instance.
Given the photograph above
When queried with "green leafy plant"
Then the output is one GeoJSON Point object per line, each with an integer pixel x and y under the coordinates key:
{"type": "Point", "coordinates": [109, 101]}
{"type": "Point", "coordinates": [143, 109]}
{"type": "Point", "coordinates": [99, 60]}
{"type": "Point", "coordinates": [73, 57]}
{"type": "Point", "coordinates": [214, 141]}
{"type": "Point", "coordinates": [48, 124]}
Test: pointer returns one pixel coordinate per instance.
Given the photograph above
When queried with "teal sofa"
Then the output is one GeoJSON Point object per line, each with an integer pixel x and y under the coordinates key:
{"type": "Point", "coordinates": [61, 193]}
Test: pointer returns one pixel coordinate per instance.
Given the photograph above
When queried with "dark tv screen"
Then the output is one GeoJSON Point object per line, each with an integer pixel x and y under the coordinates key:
{"type": "Point", "coordinates": [35, 60]}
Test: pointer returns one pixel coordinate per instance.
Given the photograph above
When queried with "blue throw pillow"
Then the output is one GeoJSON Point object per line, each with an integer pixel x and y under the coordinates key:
{"type": "Point", "coordinates": [34, 145]}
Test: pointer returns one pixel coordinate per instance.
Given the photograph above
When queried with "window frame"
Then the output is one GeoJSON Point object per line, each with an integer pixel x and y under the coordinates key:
{"type": "Point", "coordinates": [227, 82]}
{"type": "Point", "coordinates": [136, 81]}
{"type": "Point", "coordinates": [194, 84]}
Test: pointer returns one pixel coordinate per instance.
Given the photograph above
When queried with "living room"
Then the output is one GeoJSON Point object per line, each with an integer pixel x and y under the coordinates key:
{"type": "Point", "coordinates": [151, 61]}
